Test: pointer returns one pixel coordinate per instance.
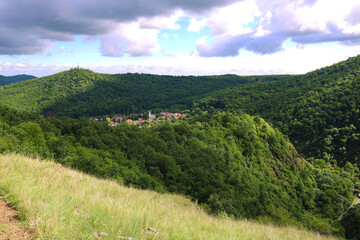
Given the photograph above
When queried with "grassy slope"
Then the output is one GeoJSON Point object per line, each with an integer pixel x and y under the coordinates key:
{"type": "Point", "coordinates": [65, 204]}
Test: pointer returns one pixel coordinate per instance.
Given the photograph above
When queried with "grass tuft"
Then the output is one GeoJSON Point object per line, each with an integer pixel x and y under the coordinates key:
{"type": "Point", "coordinates": [59, 203]}
{"type": "Point", "coordinates": [2, 228]}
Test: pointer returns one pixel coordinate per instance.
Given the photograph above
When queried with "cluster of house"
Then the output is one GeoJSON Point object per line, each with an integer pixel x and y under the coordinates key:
{"type": "Point", "coordinates": [141, 119]}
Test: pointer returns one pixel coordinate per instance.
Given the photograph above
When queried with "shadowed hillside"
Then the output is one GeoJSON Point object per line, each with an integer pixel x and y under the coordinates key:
{"type": "Point", "coordinates": [14, 79]}
{"type": "Point", "coordinates": [81, 93]}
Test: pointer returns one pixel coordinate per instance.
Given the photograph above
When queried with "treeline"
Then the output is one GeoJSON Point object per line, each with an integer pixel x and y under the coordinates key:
{"type": "Point", "coordinates": [230, 162]}
{"type": "Point", "coordinates": [14, 79]}
{"type": "Point", "coordinates": [319, 111]}
{"type": "Point", "coordinates": [83, 93]}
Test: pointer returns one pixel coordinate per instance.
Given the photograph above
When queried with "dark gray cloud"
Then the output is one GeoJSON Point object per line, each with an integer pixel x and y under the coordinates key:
{"type": "Point", "coordinates": [334, 34]}
{"type": "Point", "coordinates": [39, 21]}
{"type": "Point", "coordinates": [225, 47]}
{"type": "Point", "coordinates": [327, 37]}
{"type": "Point", "coordinates": [31, 26]}
{"type": "Point", "coordinates": [126, 10]}
{"type": "Point", "coordinates": [19, 42]}
{"type": "Point", "coordinates": [267, 44]}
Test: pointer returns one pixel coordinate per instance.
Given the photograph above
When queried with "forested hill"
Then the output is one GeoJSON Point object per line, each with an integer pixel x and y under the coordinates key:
{"type": "Point", "coordinates": [4, 80]}
{"type": "Point", "coordinates": [230, 162]}
{"type": "Point", "coordinates": [80, 92]}
{"type": "Point", "coordinates": [319, 111]}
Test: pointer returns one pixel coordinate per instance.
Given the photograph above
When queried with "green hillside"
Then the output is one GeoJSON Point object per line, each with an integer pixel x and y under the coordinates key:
{"type": "Point", "coordinates": [80, 92]}
{"type": "Point", "coordinates": [319, 111]}
{"type": "Point", "coordinates": [4, 80]}
{"type": "Point", "coordinates": [58, 203]}
{"type": "Point", "coordinates": [230, 163]}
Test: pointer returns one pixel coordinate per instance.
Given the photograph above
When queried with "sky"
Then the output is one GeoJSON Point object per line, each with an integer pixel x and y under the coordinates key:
{"type": "Point", "coordinates": [177, 37]}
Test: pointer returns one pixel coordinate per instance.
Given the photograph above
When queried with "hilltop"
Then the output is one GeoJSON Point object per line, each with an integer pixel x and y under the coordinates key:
{"type": "Point", "coordinates": [83, 93]}
{"type": "Point", "coordinates": [229, 162]}
{"type": "Point", "coordinates": [4, 80]}
{"type": "Point", "coordinates": [59, 203]}
{"type": "Point", "coordinates": [319, 111]}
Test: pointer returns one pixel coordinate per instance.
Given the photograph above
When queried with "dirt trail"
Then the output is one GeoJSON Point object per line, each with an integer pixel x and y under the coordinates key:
{"type": "Point", "coordinates": [10, 227]}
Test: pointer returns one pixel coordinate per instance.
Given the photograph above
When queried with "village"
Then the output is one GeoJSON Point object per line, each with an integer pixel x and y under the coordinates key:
{"type": "Point", "coordinates": [141, 119]}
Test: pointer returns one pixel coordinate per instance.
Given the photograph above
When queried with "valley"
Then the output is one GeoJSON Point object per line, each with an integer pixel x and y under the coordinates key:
{"type": "Point", "coordinates": [277, 149]}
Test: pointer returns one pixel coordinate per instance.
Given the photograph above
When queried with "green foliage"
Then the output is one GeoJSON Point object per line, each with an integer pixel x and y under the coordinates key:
{"type": "Point", "coordinates": [13, 79]}
{"type": "Point", "coordinates": [319, 111]}
{"type": "Point", "coordinates": [229, 162]}
{"type": "Point", "coordinates": [83, 93]}
{"type": "Point", "coordinates": [351, 223]}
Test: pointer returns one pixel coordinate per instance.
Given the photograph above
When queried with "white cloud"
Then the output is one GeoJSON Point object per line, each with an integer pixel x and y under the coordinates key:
{"type": "Point", "coordinates": [254, 33]}
{"type": "Point", "coordinates": [20, 65]}
{"type": "Point", "coordinates": [138, 38]}
{"type": "Point", "coordinates": [318, 16]}
{"type": "Point", "coordinates": [47, 22]}
{"type": "Point", "coordinates": [165, 36]}
{"type": "Point", "coordinates": [312, 57]}
{"type": "Point", "coordinates": [263, 26]}
{"type": "Point", "coordinates": [160, 22]}
{"type": "Point", "coordinates": [232, 20]}
{"type": "Point", "coordinates": [197, 25]}
{"type": "Point", "coordinates": [130, 39]}
{"type": "Point", "coordinates": [202, 40]}
{"type": "Point", "coordinates": [62, 48]}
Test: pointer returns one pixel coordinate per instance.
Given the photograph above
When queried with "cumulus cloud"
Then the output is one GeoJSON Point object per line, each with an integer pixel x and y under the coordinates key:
{"type": "Point", "coordinates": [132, 27]}
{"type": "Point", "coordinates": [138, 38]}
{"type": "Point", "coordinates": [225, 47]}
{"type": "Point", "coordinates": [19, 42]}
{"type": "Point", "coordinates": [265, 25]}
{"type": "Point", "coordinates": [354, 16]}
{"type": "Point", "coordinates": [40, 22]}
{"type": "Point", "coordinates": [307, 59]}
{"type": "Point", "coordinates": [130, 39]}
{"type": "Point", "coordinates": [196, 25]}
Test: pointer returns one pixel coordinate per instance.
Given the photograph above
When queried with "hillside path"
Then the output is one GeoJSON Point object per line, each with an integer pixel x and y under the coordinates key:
{"type": "Point", "coordinates": [10, 227]}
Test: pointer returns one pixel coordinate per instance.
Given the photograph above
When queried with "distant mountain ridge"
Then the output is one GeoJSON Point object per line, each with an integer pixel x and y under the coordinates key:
{"type": "Point", "coordinates": [82, 93]}
{"type": "Point", "coordinates": [228, 161]}
{"type": "Point", "coordinates": [319, 111]}
{"type": "Point", "coordinates": [5, 80]}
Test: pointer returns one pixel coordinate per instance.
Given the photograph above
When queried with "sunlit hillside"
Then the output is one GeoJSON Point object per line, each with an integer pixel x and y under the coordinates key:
{"type": "Point", "coordinates": [58, 203]}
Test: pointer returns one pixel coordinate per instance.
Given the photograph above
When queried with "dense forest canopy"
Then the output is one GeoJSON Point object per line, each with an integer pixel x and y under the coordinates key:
{"type": "Point", "coordinates": [4, 80]}
{"type": "Point", "coordinates": [319, 111]}
{"type": "Point", "coordinates": [229, 162]}
{"type": "Point", "coordinates": [83, 93]}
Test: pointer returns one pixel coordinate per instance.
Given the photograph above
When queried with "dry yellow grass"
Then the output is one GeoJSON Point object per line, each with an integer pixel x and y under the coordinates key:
{"type": "Point", "coordinates": [60, 203]}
